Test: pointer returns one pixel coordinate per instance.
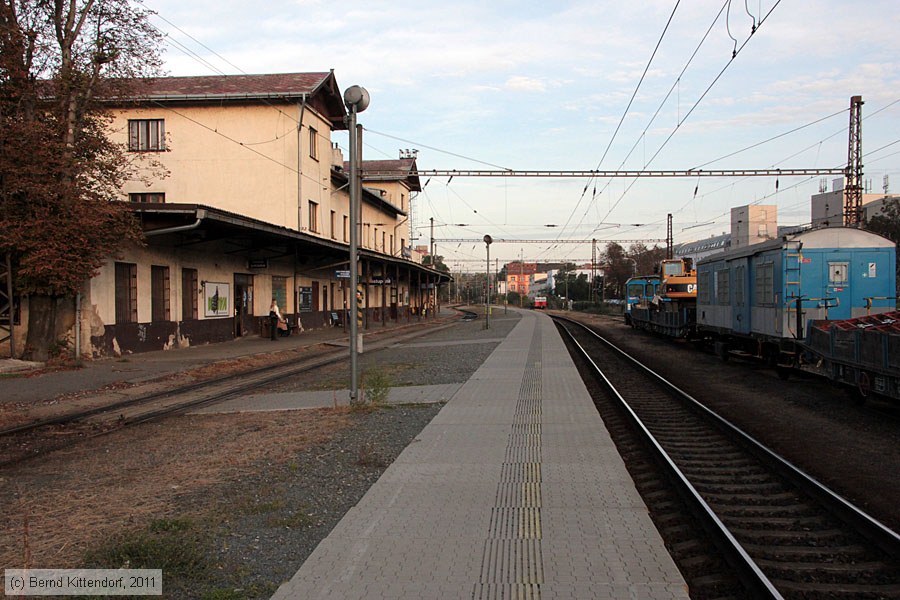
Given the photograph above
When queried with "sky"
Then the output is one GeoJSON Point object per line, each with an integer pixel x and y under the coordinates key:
{"type": "Point", "coordinates": [581, 85]}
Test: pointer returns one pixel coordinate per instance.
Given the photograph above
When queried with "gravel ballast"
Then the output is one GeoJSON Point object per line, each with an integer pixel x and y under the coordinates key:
{"type": "Point", "coordinates": [230, 505]}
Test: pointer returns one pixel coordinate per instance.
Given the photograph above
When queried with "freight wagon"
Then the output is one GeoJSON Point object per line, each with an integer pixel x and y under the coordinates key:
{"type": "Point", "coordinates": [761, 299]}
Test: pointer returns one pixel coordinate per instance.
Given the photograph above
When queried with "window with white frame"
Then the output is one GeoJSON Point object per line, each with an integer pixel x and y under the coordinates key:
{"type": "Point", "coordinates": [837, 273]}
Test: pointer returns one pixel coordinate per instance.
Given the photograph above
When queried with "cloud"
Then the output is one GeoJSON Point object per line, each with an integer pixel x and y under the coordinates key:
{"type": "Point", "coordinates": [525, 84]}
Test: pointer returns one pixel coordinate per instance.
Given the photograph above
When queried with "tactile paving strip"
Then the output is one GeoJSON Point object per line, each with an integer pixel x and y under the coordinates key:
{"type": "Point", "coordinates": [512, 563]}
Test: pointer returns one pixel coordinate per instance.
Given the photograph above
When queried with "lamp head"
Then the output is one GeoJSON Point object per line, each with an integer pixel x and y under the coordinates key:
{"type": "Point", "coordinates": [356, 96]}
{"type": "Point", "coordinates": [488, 239]}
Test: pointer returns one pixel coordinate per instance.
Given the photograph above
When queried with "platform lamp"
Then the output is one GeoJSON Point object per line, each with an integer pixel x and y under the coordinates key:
{"type": "Point", "coordinates": [487, 300]}
{"type": "Point", "coordinates": [357, 100]}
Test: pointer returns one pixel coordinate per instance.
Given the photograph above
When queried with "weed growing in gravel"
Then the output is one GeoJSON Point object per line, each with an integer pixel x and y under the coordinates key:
{"type": "Point", "coordinates": [377, 385]}
{"type": "Point", "coordinates": [292, 521]}
{"type": "Point", "coordinates": [369, 457]}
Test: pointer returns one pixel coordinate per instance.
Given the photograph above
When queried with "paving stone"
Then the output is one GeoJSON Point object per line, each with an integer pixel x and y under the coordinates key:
{"type": "Point", "coordinates": [514, 490]}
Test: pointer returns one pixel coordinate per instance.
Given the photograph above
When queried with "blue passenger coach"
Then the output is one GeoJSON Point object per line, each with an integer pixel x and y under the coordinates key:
{"type": "Point", "coordinates": [758, 299]}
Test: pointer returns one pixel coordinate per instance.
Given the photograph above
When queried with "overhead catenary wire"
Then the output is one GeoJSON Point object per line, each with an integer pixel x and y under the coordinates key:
{"type": "Point", "coordinates": [624, 113]}
{"type": "Point", "coordinates": [665, 99]}
{"type": "Point", "coordinates": [697, 102]}
{"type": "Point", "coordinates": [447, 152]}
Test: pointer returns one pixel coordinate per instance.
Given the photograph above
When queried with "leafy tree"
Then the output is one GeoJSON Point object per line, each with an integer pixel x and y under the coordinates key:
{"type": "Point", "coordinates": [578, 287]}
{"type": "Point", "coordinates": [437, 261]}
{"type": "Point", "coordinates": [60, 64]}
{"type": "Point", "coordinates": [888, 225]}
{"type": "Point", "coordinates": [617, 269]}
{"type": "Point", "coordinates": [888, 222]}
{"type": "Point", "coordinates": [646, 260]}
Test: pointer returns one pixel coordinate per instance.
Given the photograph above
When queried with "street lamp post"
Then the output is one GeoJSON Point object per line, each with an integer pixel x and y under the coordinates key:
{"type": "Point", "coordinates": [487, 300]}
{"type": "Point", "coordinates": [357, 100]}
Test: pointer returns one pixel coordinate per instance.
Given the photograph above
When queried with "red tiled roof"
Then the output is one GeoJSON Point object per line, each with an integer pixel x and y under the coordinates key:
{"type": "Point", "coordinates": [389, 170]}
{"type": "Point", "coordinates": [320, 89]}
{"type": "Point", "coordinates": [278, 84]}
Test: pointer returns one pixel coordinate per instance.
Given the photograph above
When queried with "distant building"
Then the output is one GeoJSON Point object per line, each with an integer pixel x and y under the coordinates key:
{"type": "Point", "coordinates": [827, 208]}
{"type": "Point", "coordinates": [520, 276]}
{"type": "Point", "coordinates": [752, 224]}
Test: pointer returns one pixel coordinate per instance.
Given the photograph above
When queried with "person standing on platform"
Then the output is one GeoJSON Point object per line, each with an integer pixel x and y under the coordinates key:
{"type": "Point", "coordinates": [274, 318]}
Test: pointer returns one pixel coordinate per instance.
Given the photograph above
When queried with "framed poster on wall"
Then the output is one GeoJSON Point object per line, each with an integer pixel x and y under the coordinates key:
{"type": "Point", "coordinates": [217, 299]}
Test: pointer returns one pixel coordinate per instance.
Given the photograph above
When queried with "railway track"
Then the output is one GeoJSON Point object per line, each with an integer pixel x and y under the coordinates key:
{"type": "Point", "coordinates": [782, 535]}
{"type": "Point", "coordinates": [46, 435]}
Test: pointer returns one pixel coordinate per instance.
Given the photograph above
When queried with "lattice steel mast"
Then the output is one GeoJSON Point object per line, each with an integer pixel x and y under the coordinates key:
{"type": "Point", "coordinates": [854, 173]}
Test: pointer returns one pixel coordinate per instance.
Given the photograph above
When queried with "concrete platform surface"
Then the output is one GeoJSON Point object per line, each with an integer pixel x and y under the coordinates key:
{"type": "Point", "coordinates": [514, 490]}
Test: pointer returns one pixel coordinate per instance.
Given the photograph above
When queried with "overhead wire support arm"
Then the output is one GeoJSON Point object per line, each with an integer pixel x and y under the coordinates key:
{"type": "Point", "coordinates": [509, 241]}
{"type": "Point", "coordinates": [605, 174]}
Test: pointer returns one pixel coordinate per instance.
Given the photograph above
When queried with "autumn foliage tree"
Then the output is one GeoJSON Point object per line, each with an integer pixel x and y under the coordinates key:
{"type": "Point", "coordinates": [61, 63]}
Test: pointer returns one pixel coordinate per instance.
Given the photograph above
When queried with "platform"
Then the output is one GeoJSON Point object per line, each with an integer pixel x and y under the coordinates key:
{"type": "Point", "coordinates": [514, 490]}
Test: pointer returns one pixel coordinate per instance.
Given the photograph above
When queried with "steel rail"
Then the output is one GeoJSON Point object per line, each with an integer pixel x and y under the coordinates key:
{"type": "Point", "coordinates": [282, 369]}
{"type": "Point", "coordinates": [884, 537]}
{"type": "Point", "coordinates": [757, 583]}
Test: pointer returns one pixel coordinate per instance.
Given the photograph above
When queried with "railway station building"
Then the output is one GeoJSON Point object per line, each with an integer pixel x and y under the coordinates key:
{"type": "Point", "coordinates": [245, 198]}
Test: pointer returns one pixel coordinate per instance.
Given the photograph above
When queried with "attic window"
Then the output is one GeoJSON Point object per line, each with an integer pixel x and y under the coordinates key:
{"type": "Point", "coordinates": [147, 197]}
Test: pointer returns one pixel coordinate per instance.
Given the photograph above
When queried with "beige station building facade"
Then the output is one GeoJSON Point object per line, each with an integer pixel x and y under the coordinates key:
{"type": "Point", "coordinates": [245, 198]}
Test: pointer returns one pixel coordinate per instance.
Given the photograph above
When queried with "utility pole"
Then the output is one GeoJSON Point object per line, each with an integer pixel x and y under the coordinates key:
{"type": "Point", "coordinates": [521, 277]}
{"type": "Point", "coordinates": [357, 100]}
{"type": "Point", "coordinates": [670, 238]}
{"type": "Point", "coordinates": [487, 298]}
{"type": "Point", "coordinates": [432, 241]}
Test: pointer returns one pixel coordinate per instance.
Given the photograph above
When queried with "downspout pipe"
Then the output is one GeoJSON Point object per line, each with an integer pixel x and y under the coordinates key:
{"type": "Point", "coordinates": [300, 163]}
{"type": "Point", "coordinates": [201, 214]}
{"type": "Point", "coordinates": [299, 203]}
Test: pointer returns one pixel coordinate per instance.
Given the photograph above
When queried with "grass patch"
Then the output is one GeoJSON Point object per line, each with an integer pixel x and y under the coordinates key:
{"type": "Point", "coordinates": [177, 546]}
{"type": "Point", "coordinates": [261, 508]}
{"type": "Point", "coordinates": [240, 593]}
